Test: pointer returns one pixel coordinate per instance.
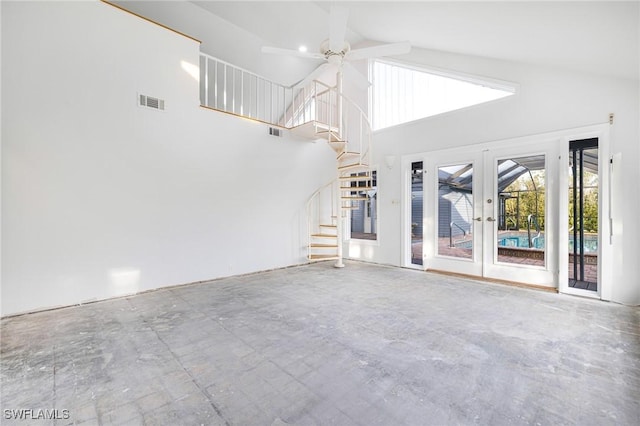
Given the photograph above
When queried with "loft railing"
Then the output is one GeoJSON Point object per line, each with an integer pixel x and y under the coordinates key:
{"type": "Point", "coordinates": [232, 89]}
{"type": "Point", "coordinates": [229, 88]}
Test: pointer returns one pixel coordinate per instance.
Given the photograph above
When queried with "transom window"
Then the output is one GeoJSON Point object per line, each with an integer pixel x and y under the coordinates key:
{"type": "Point", "coordinates": [403, 93]}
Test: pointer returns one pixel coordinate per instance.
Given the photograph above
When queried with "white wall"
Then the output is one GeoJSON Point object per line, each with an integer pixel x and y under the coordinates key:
{"type": "Point", "coordinates": [101, 197]}
{"type": "Point", "coordinates": [223, 39]}
{"type": "Point", "coordinates": [549, 100]}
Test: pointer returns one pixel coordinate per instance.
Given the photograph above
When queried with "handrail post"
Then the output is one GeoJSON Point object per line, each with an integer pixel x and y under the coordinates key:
{"type": "Point", "coordinates": [284, 106]}
{"type": "Point", "coordinates": [339, 222]}
{"type": "Point", "coordinates": [242, 93]}
{"type": "Point", "coordinates": [206, 81]}
{"type": "Point", "coordinates": [309, 228]}
{"type": "Point", "coordinates": [215, 85]}
{"type": "Point", "coordinates": [451, 234]}
{"type": "Point", "coordinates": [271, 108]}
{"type": "Point", "coordinates": [451, 225]}
{"type": "Point", "coordinates": [531, 218]}
{"type": "Point", "coordinates": [339, 109]}
{"type": "Point", "coordinates": [316, 104]}
{"type": "Point", "coordinates": [330, 116]}
{"type": "Point", "coordinates": [224, 96]}
{"type": "Point", "coordinates": [361, 137]}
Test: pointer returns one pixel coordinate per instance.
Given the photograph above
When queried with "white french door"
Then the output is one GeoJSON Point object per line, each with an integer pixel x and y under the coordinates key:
{"type": "Point", "coordinates": [491, 212]}
{"type": "Point", "coordinates": [454, 226]}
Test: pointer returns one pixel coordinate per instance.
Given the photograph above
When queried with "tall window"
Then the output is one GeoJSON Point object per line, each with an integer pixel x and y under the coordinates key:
{"type": "Point", "coordinates": [402, 93]}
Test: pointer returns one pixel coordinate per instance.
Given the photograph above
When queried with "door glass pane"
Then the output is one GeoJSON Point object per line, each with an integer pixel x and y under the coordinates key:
{"type": "Point", "coordinates": [455, 210]}
{"type": "Point", "coordinates": [521, 209]}
{"type": "Point", "coordinates": [417, 178]}
{"type": "Point", "coordinates": [364, 207]}
{"type": "Point", "coordinates": [583, 214]}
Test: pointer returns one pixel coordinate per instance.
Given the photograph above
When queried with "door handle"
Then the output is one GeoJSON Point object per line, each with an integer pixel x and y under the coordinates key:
{"type": "Point", "coordinates": [478, 219]}
{"type": "Point", "coordinates": [490, 219]}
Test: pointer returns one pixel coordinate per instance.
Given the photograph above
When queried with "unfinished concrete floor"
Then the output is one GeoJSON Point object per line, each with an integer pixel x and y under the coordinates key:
{"type": "Point", "coordinates": [312, 345]}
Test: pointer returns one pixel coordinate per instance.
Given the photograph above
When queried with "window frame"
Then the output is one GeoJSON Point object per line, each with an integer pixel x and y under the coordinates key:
{"type": "Point", "coordinates": [492, 83]}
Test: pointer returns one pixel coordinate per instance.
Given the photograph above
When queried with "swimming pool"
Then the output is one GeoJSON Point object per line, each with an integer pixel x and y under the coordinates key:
{"type": "Point", "coordinates": [590, 243]}
{"type": "Point", "coordinates": [520, 240]}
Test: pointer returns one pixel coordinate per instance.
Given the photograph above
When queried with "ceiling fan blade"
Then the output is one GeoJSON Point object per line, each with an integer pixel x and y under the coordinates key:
{"type": "Point", "coordinates": [313, 75]}
{"type": "Point", "coordinates": [378, 51]}
{"type": "Point", "coordinates": [338, 17]}
{"type": "Point", "coordinates": [291, 52]}
{"type": "Point", "coordinates": [355, 76]}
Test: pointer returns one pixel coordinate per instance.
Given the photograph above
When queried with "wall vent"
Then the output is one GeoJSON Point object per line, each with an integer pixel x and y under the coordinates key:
{"type": "Point", "coordinates": [275, 132]}
{"type": "Point", "coordinates": [150, 102]}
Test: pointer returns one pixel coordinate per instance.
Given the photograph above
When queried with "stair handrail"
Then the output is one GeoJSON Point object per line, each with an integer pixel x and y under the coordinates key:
{"type": "Point", "coordinates": [451, 225]}
{"type": "Point", "coordinates": [362, 120]}
{"type": "Point", "coordinates": [317, 191]}
{"type": "Point", "coordinates": [532, 218]}
{"type": "Point", "coordinates": [313, 196]}
{"type": "Point", "coordinates": [326, 109]}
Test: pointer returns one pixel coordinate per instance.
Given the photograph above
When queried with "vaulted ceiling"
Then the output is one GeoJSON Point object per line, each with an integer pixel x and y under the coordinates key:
{"type": "Point", "coordinates": [596, 37]}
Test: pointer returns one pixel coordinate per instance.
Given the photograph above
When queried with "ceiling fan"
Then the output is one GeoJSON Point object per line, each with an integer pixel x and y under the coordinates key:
{"type": "Point", "coordinates": [336, 51]}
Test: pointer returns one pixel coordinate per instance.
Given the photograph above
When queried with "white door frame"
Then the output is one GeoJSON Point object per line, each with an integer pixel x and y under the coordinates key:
{"type": "Point", "coordinates": [556, 209]}
{"type": "Point", "coordinates": [530, 274]}
{"type": "Point", "coordinates": [431, 258]}
{"type": "Point", "coordinates": [405, 239]}
{"type": "Point", "coordinates": [604, 212]}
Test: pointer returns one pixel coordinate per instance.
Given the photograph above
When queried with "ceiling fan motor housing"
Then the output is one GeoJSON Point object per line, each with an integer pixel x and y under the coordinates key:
{"type": "Point", "coordinates": [332, 57]}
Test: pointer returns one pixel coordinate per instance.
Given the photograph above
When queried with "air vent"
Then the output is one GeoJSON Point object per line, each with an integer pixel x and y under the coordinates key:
{"type": "Point", "coordinates": [150, 102]}
{"type": "Point", "coordinates": [275, 132]}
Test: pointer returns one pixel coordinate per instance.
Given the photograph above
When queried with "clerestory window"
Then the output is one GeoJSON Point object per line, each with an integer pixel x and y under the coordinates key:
{"type": "Point", "coordinates": [402, 93]}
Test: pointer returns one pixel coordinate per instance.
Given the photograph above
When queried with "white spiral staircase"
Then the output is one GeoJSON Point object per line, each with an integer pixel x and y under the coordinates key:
{"type": "Point", "coordinates": [346, 129]}
{"type": "Point", "coordinates": [314, 111]}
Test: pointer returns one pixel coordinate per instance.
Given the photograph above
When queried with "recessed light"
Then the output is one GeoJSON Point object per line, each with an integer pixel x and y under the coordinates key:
{"type": "Point", "coordinates": [302, 48]}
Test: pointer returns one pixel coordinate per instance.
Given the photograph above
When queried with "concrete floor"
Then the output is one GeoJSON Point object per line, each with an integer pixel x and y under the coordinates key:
{"type": "Point", "coordinates": [310, 345]}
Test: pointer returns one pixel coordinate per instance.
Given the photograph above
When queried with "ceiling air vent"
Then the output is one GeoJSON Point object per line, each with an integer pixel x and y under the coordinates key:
{"type": "Point", "coordinates": [149, 102]}
{"type": "Point", "coordinates": [275, 132]}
